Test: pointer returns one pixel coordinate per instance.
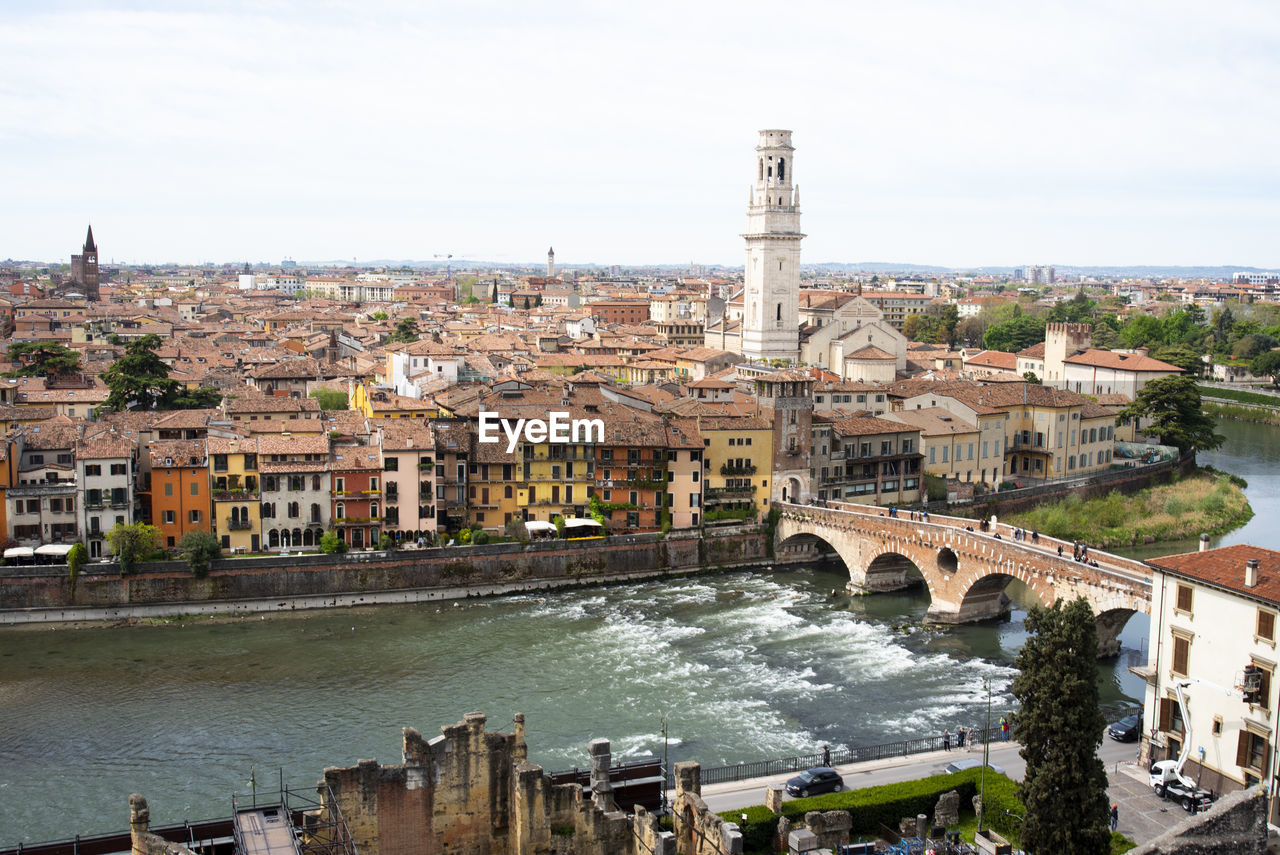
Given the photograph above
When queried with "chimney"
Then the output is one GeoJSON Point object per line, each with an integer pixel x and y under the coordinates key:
{"type": "Point", "coordinates": [1251, 573]}
{"type": "Point", "coordinates": [1204, 542]}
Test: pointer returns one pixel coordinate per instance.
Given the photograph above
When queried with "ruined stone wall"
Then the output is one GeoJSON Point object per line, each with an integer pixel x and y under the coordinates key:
{"type": "Point", "coordinates": [473, 792]}
{"type": "Point", "coordinates": [1235, 825]}
{"type": "Point", "coordinates": [698, 829]}
{"type": "Point", "coordinates": [496, 565]}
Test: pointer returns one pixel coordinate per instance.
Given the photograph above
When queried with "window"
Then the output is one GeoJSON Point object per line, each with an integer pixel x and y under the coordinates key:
{"type": "Point", "coordinates": [169, 518]}
{"type": "Point", "coordinates": [93, 469]}
{"type": "Point", "coordinates": [1181, 652]}
{"type": "Point", "coordinates": [195, 488]}
{"type": "Point", "coordinates": [391, 464]}
{"type": "Point", "coordinates": [373, 484]}
{"type": "Point", "coordinates": [119, 469]}
{"type": "Point", "coordinates": [1266, 625]}
{"type": "Point", "coordinates": [168, 489]}
{"type": "Point", "coordinates": [193, 516]}
{"type": "Point", "coordinates": [1251, 751]}
{"type": "Point", "coordinates": [1184, 598]}
{"type": "Point", "coordinates": [1264, 686]}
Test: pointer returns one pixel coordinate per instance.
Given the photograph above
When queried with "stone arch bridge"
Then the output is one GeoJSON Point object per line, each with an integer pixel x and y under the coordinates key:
{"type": "Point", "coordinates": [965, 571]}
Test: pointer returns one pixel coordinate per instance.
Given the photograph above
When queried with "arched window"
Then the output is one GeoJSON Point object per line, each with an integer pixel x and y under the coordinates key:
{"type": "Point", "coordinates": [762, 168]}
{"type": "Point", "coordinates": [315, 513]}
{"type": "Point", "coordinates": [244, 514]}
{"type": "Point", "coordinates": [284, 538]}
{"type": "Point", "coordinates": [341, 511]}
{"type": "Point", "coordinates": [782, 169]}
{"type": "Point", "coordinates": [293, 510]}
{"type": "Point", "coordinates": [273, 538]}
{"type": "Point", "coordinates": [373, 510]}
{"type": "Point", "coordinates": [779, 305]}
{"type": "Point", "coordinates": [315, 482]}
{"type": "Point", "coordinates": [307, 538]}
{"type": "Point", "coordinates": [297, 537]}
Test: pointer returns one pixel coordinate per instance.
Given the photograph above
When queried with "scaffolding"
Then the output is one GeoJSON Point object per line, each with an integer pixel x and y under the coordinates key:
{"type": "Point", "coordinates": [290, 822]}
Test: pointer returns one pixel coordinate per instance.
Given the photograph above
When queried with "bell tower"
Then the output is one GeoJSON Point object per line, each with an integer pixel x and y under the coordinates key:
{"type": "Point", "coordinates": [771, 290]}
{"type": "Point", "coordinates": [84, 267]}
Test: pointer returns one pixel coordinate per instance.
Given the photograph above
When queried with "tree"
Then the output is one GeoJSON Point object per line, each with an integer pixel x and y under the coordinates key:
{"type": "Point", "coordinates": [1014, 334]}
{"type": "Point", "coordinates": [1078, 310]}
{"type": "Point", "coordinates": [1267, 365]}
{"type": "Point", "coordinates": [132, 543]}
{"type": "Point", "coordinates": [139, 378]}
{"type": "Point", "coordinates": [970, 330]}
{"type": "Point", "coordinates": [1143, 331]}
{"type": "Point", "coordinates": [42, 359]}
{"type": "Point", "coordinates": [199, 548]}
{"type": "Point", "coordinates": [330, 399]}
{"type": "Point", "coordinates": [1252, 345]}
{"type": "Point", "coordinates": [379, 316]}
{"type": "Point", "coordinates": [1030, 377]}
{"type": "Point", "coordinates": [1105, 336]}
{"type": "Point", "coordinates": [1180, 355]}
{"type": "Point", "coordinates": [1173, 405]}
{"type": "Point", "coordinates": [406, 331]}
{"type": "Point", "coordinates": [1060, 728]}
{"type": "Point", "coordinates": [204, 398]}
{"type": "Point", "coordinates": [331, 544]}
{"type": "Point", "coordinates": [75, 561]}
{"type": "Point", "coordinates": [494, 299]}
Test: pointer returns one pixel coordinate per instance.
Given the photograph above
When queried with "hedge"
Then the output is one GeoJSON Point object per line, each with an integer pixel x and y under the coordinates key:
{"type": "Point", "coordinates": [1239, 395]}
{"type": "Point", "coordinates": [884, 805]}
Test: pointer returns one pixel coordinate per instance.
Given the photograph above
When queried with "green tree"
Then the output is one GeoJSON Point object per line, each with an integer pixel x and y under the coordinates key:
{"type": "Point", "coordinates": [595, 510]}
{"type": "Point", "coordinates": [494, 298]}
{"type": "Point", "coordinates": [132, 543]}
{"type": "Point", "coordinates": [139, 378]}
{"type": "Point", "coordinates": [970, 330]}
{"type": "Point", "coordinates": [1267, 365]}
{"type": "Point", "coordinates": [1060, 727]}
{"type": "Point", "coordinates": [1143, 331]}
{"type": "Point", "coordinates": [1249, 346]}
{"type": "Point", "coordinates": [204, 398]}
{"type": "Point", "coordinates": [1030, 377]}
{"type": "Point", "coordinates": [558, 522]}
{"type": "Point", "coordinates": [42, 359]}
{"type": "Point", "coordinates": [331, 544]}
{"type": "Point", "coordinates": [406, 331]}
{"type": "Point", "coordinates": [199, 548]}
{"type": "Point", "coordinates": [1105, 337]}
{"type": "Point", "coordinates": [1173, 406]}
{"type": "Point", "coordinates": [1015, 334]}
{"type": "Point", "coordinates": [526, 301]}
{"type": "Point", "coordinates": [1078, 310]}
{"type": "Point", "coordinates": [330, 399]}
{"type": "Point", "coordinates": [1180, 355]}
{"type": "Point", "coordinates": [379, 316]}
{"type": "Point", "coordinates": [75, 562]}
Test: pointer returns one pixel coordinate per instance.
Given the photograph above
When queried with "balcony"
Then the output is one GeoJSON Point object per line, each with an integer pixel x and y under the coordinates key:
{"type": "Point", "coordinates": [235, 495]}
{"type": "Point", "coordinates": [718, 494]}
{"type": "Point", "coordinates": [1032, 444]}
{"type": "Point", "coordinates": [239, 525]}
{"type": "Point", "coordinates": [727, 470]}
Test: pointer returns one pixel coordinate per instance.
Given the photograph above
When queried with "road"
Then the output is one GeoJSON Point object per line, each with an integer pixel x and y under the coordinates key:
{"type": "Point", "coordinates": [1142, 815]}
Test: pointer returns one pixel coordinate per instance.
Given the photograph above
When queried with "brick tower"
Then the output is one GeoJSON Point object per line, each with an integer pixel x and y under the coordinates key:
{"type": "Point", "coordinates": [84, 267]}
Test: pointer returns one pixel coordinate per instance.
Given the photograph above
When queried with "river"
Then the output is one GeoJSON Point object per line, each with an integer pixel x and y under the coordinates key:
{"type": "Point", "coordinates": [741, 666]}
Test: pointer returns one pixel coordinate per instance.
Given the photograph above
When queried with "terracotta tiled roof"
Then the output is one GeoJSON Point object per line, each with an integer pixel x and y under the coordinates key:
{"type": "Point", "coordinates": [1121, 361]}
{"type": "Point", "coordinates": [1224, 568]}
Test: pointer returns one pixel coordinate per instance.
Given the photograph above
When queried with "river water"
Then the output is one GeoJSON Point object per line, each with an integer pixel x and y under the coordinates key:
{"type": "Point", "coordinates": [741, 666]}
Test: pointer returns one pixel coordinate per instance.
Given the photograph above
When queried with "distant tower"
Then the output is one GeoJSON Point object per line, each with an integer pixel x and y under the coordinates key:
{"type": "Point", "coordinates": [84, 267]}
{"type": "Point", "coordinates": [551, 262]}
{"type": "Point", "coordinates": [771, 293]}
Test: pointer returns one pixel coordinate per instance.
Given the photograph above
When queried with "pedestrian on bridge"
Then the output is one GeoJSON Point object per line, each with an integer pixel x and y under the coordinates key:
{"type": "Point", "coordinates": [946, 740]}
{"type": "Point", "coordinates": [826, 755]}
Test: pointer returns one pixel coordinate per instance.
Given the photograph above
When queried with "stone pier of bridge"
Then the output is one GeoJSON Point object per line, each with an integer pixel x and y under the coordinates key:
{"type": "Point", "coordinates": [965, 570]}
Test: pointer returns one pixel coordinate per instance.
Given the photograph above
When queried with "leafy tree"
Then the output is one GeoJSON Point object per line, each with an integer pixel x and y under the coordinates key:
{"type": "Point", "coordinates": [471, 300]}
{"type": "Point", "coordinates": [1173, 405]}
{"type": "Point", "coordinates": [970, 330]}
{"type": "Point", "coordinates": [526, 301]}
{"type": "Point", "coordinates": [1015, 334]}
{"type": "Point", "coordinates": [331, 544]}
{"type": "Point", "coordinates": [199, 548]}
{"type": "Point", "coordinates": [139, 378]}
{"type": "Point", "coordinates": [1143, 331]}
{"type": "Point", "coordinates": [595, 510]}
{"type": "Point", "coordinates": [1180, 355]}
{"type": "Point", "coordinates": [132, 543]}
{"type": "Point", "coordinates": [558, 522]}
{"type": "Point", "coordinates": [1185, 327]}
{"type": "Point", "coordinates": [1105, 337]}
{"type": "Point", "coordinates": [204, 398]}
{"type": "Point", "coordinates": [42, 359]}
{"type": "Point", "coordinates": [1267, 365]}
{"type": "Point", "coordinates": [379, 316]}
{"type": "Point", "coordinates": [1030, 377]}
{"type": "Point", "coordinates": [1078, 310]}
{"type": "Point", "coordinates": [406, 331]}
{"type": "Point", "coordinates": [1060, 727]}
{"type": "Point", "coordinates": [1252, 345]}
{"type": "Point", "coordinates": [75, 561]}
{"type": "Point", "coordinates": [330, 399]}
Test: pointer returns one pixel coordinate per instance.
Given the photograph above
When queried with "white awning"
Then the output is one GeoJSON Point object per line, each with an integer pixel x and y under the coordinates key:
{"type": "Point", "coordinates": [19, 552]}
{"type": "Point", "coordinates": [538, 525]}
{"type": "Point", "coordinates": [59, 549]}
{"type": "Point", "coordinates": [578, 522]}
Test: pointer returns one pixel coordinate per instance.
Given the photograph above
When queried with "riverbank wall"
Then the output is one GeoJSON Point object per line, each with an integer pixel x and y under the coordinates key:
{"type": "Point", "coordinates": [43, 594]}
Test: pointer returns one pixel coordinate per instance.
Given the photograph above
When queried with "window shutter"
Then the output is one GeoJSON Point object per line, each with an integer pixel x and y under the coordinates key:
{"type": "Point", "coordinates": [1184, 598]}
{"type": "Point", "coordinates": [1242, 749]}
{"type": "Point", "coordinates": [1266, 625]}
{"type": "Point", "coordinates": [1180, 649]}
{"type": "Point", "coordinates": [1166, 714]}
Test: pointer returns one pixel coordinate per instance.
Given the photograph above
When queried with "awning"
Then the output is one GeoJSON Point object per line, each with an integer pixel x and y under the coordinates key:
{"type": "Point", "coordinates": [58, 549]}
{"type": "Point", "coordinates": [19, 552]}
{"type": "Point", "coordinates": [538, 525]}
{"type": "Point", "coordinates": [578, 522]}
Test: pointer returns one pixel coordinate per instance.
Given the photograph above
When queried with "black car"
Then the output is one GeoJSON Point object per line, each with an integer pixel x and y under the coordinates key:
{"type": "Point", "coordinates": [820, 779]}
{"type": "Point", "coordinates": [1127, 729]}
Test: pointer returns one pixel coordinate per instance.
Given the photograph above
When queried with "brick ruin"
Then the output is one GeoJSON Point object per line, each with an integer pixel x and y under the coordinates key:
{"type": "Point", "coordinates": [474, 791]}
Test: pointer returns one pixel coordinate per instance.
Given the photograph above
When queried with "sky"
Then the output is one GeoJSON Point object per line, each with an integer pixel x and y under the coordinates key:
{"type": "Point", "coordinates": [926, 131]}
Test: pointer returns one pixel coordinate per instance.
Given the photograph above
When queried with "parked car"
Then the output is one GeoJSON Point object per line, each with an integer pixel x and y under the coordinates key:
{"type": "Point", "coordinates": [1127, 729]}
{"type": "Point", "coordinates": [971, 763]}
{"type": "Point", "coordinates": [820, 779]}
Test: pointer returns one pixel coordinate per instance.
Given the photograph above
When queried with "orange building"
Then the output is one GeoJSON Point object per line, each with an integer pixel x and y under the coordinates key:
{"type": "Point", "coordinates": [179, 488]}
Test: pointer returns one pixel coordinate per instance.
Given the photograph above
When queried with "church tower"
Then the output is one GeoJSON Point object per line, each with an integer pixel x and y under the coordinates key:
{"type": "Point", "coordinates": [84, 267]}
{"type": "Point", "coordinates": [551, 262]}
{"type": "Point", "coordinates": [771, 292]}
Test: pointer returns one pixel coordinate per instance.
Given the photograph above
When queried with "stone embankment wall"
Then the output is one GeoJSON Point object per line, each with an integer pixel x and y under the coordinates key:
{"type": "Point", "coordinates": [240, 585]}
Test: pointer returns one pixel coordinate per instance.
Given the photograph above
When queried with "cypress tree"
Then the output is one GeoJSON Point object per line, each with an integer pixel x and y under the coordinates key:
{"type": "Point", "coordinates": [1060, 727]}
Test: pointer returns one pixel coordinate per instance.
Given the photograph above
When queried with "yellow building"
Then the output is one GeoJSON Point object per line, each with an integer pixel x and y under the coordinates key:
{"type": "Point", "coordinates": [738, 463]}
{"type": "Point", "coordinates": [952, 447]}
{"type": "Point", "coordinates": [234, 488]}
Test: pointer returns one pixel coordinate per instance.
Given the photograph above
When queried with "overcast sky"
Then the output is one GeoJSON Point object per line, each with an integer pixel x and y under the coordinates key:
{"type": "Point", "coordinates": [952, 133]}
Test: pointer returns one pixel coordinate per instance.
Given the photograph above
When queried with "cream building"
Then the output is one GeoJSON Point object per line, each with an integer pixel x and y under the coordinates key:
{"type": "Point", "coordinates": [1214, 612]}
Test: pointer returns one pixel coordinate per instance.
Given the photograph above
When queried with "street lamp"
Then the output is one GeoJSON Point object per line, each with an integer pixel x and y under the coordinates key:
{"type": "Point", "coordinates": [986, 755]}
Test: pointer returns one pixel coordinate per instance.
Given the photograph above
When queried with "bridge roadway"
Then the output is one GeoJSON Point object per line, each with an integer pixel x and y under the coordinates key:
{"type": "Point", "coordinates": [965, 569]}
